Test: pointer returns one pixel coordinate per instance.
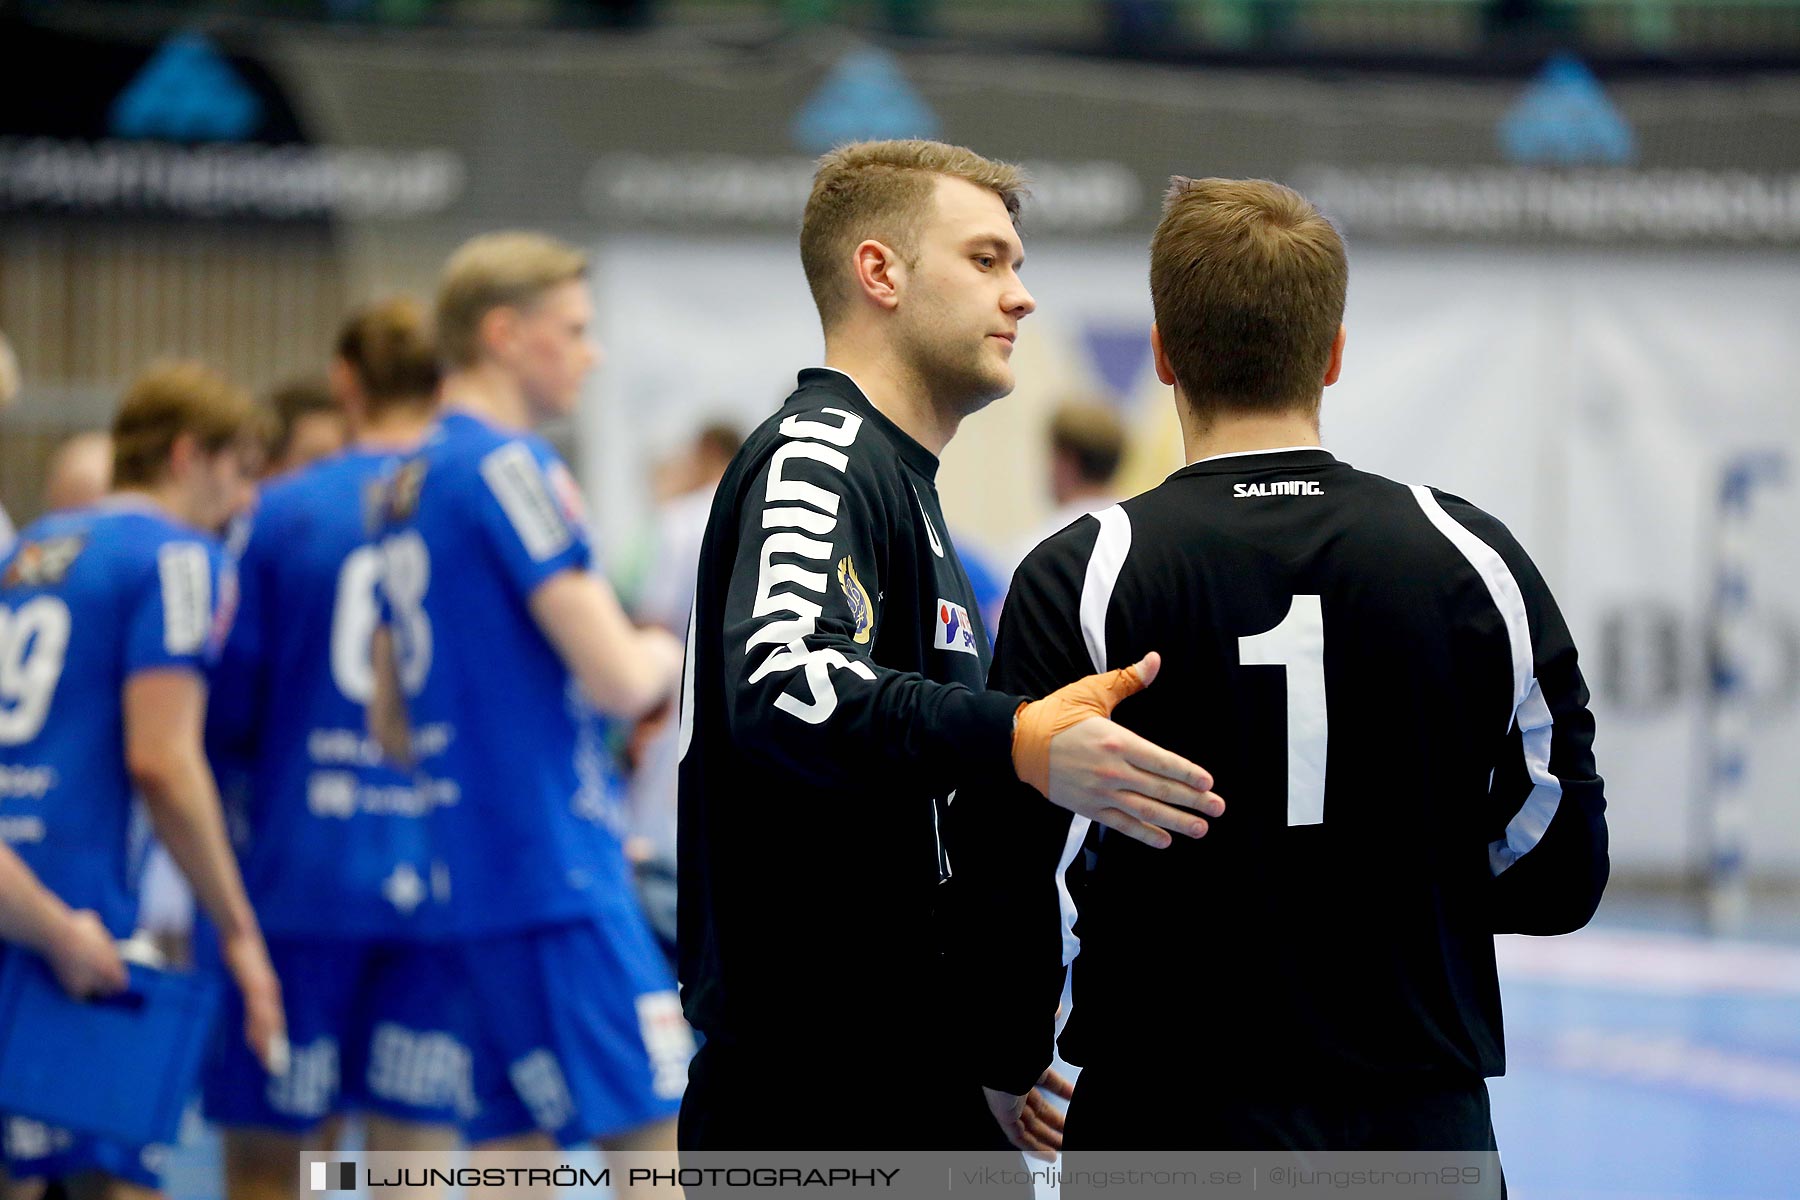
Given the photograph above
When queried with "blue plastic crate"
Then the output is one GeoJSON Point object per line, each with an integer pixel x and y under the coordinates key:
{"type": "Point", "coordinates": [119, 1067]}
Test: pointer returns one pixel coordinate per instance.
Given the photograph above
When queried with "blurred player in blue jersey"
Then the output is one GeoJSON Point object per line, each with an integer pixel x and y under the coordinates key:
{"type": "Point", "coordinates": [501, 641]}
{"type": "Point", "coordinates": [334, 850]}
{"type": "Point", "coordinates": [110, 617]}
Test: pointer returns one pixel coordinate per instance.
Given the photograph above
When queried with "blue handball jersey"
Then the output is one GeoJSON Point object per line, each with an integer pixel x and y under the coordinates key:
{"type": "Point", "coordinates": [331, 840]}
{"type": "Point", "coordinates": [528, 828]}
{"type": "Point", "coordinates": [89, 598]}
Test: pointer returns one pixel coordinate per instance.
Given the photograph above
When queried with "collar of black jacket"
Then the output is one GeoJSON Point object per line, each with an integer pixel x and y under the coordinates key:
{"type": "Point", "coordinates": [844, 388]}
{"type": "Point", "coordinates": [1293, 458]}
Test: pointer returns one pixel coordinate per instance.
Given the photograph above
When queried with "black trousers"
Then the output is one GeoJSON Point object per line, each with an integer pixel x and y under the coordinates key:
{"type": "Point", "coordinates": [863, 1097]}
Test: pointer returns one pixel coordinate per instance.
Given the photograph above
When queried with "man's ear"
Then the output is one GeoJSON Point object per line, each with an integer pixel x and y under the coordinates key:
{"type": "Point", "coordinates": [344, 386]}
{"type": "Point", "coordinates": [497, 330]}
{"type": "Point", "coordinates": [1335, 366]}
{"type": "Point", "coordinates": [1165, 371]}
{"type": "Point", "coordinates": [880, 273]}
{"type": "Point", "coordinates": [184, 453]}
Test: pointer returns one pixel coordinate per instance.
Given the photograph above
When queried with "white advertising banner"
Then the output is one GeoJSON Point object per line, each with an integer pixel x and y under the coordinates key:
{"type": "Point", "coordinates": [1634, 420]}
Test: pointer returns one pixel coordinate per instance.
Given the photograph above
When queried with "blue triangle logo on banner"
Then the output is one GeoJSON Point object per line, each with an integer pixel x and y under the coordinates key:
{"type": "Point", "coordinates": [187, 92]}
{"type": "Point", "coordinates": [866, 97]}
{"type": "Point", "coordinates": [1119, 356]}
{"type": "Point", "coordinates": [1565, 118]}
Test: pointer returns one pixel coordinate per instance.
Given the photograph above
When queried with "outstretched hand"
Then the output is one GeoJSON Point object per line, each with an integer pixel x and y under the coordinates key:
{"type": "Point", "coordinates": [1068, 747]}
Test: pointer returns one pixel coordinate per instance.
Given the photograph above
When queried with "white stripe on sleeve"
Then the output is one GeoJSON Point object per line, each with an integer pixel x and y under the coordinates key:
{"type": "Point", "coordinates": [1108, 558]}
{"type": "Point", "coordinates": [1530, 711]}
{"type": "Point", "coordinates": [1104, 564]}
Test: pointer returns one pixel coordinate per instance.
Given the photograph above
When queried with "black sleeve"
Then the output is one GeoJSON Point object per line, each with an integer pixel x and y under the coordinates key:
{"type": "Point", "coordinates": [802, 614]}
{"type": "Point", "coordinates": [1008, 842]}
{"type": "Point", "coordinates": [1550, 860]}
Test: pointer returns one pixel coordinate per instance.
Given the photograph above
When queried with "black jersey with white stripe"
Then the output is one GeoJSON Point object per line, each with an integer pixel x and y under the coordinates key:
{"type": "Point", "coordinates": [1390, 703]}
{"type": "Point", "coordinates": [833, 701]}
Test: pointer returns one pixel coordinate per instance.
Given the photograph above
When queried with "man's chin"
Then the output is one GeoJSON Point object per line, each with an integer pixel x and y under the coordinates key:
{"type": "Point", "coordinates": [994, 385]}
{"type": "Point", "coordinates": [972, 390]}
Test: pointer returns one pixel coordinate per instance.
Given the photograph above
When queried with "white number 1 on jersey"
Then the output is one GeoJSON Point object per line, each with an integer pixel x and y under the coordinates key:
{"type": "Point", "coordinates": [1298, 644]}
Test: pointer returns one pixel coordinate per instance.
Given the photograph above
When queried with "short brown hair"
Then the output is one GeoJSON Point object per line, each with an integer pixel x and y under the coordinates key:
{"type": "Point", "coordinates": [388, 346]}
{"type": "Point", "coordinates": [288, 404]}
{"type": "Point", "coordinates": [719, 440]}
{"type": "Point", "coordinates": [166, 400]}
{"type": "Point", "coordinates": [1091, 434]}
{"type": "Point", "coordinates": [497, 270]}
{"type": "Point", "coordinates": [882, 190]}
{"type": "Point", "coordinates": [1248, 280]}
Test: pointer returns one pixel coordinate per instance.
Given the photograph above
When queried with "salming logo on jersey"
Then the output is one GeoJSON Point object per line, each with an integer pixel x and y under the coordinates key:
{"type": "Point", "coordinates": [1284, 487]}
{"type": "Point", "coordinates": [798, 514]}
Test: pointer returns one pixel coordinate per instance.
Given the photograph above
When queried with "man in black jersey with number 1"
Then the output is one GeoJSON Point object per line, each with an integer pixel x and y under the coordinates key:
{"type": "Point", "coordinates": [1378, 678]}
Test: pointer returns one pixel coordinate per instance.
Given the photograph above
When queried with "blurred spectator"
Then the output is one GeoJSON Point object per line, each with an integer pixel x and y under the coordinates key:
{"type": "Point", "coordinates": [684, 487]}
{"type": "Point", "coordinates": [1087, 441]}
{"type": "Point", "coordinates": [80, 472]}
{"type": "Point", "coordinates": [687, 484]}
{"type": "Point", "coordinates": [309, 425]}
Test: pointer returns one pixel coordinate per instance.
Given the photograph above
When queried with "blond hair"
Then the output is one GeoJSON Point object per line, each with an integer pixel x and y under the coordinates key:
{"type": "Point", "coordinates": [883, 190]}
{"type": "Point", "coordinates": [497, 270]}
{"type": "Point", "coordinates": [165, 401]}
{"type": "Point", "coordinates": [1248, 282]}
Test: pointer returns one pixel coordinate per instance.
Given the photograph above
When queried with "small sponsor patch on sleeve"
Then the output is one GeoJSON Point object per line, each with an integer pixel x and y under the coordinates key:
{"type": "Point", "coordinates": [955, 631]}
{"type": "Point", "coordinates": [185, 574]}
{"type": "Point", "coordinates": [517, 482]}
